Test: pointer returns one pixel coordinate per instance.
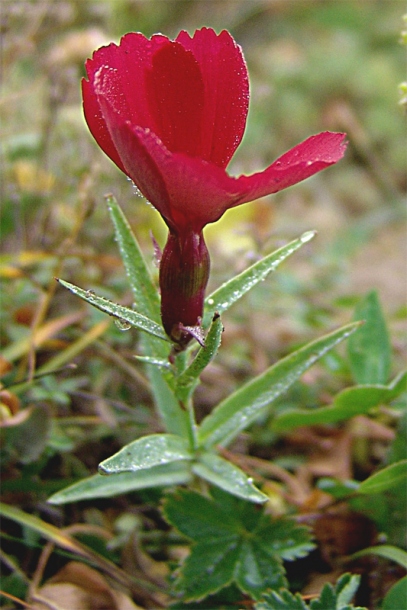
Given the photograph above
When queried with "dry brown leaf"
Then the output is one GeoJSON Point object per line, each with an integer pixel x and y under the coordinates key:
{"type": "Point", "coordinates": [342, 533]}
{"type": "Point", "coordinates": [80, 586]}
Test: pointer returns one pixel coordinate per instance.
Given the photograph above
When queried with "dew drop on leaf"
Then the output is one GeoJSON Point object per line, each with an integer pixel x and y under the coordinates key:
{"type": "Point", "coordinates": [122, 324]}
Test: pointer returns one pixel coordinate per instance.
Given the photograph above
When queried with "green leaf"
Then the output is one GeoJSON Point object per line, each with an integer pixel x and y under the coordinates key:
{"type": "Point", "coordinates": [369, 349]}
{"type": "Point", "coordinates": [228, 477]}
{"type": "Point", "coordinates": [396, 596]}
{"type": "Point", "coordinates": [388, 477]}
{"type": "Point", "coordinates": [241, 408]}
{"type": "Point", "coordinates": [144, 291]}
{"type": "Point", "coordinates": [283, 600]}
{"type": "Point", "coordinates": [387, 551]}
{"type": "Point", "coordinates": [44, 529]}
{"type": "Point", "coordinates": [146, 297]}
{"type": "Point", "coordinates": [174, 417]}
{"type": "Point", "coordinates": [124, 316]}
{"type": "Point", "coordinates": [347, 404]}
{"type": "Point", "coordinates": [101, 486]}
{"type": "Point", "coordinates": [160, 362]}
{"type": "Point", "coordinates": [187, 381]}
{"type": "Point", "coordinates": [331, 598]}
{"type": "Point", "coordinates": [338, 597]}
{"type": "Point", "coordinates": [233, 541]}
{"type": "Point", "coordinates": [230, 292]}
{"type": "Point", "coordinates": [147, 452]}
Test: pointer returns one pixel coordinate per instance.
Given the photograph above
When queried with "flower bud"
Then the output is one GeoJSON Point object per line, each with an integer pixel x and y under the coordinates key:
{"type": "Point", "coordinates": [184, 273]}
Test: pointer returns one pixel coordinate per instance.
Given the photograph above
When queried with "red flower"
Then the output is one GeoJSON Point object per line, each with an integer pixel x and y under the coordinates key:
{"type": "Point", "coordinates": [171, 114]}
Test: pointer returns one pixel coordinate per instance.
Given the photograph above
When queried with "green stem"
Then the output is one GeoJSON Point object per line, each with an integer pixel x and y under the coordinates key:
{"type": "Point", "coordinates": [192, 428]}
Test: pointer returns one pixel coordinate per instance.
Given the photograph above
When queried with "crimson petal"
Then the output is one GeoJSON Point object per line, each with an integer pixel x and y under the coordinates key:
{"type": "Point", "coordinates": [127, 64]}
{"type": "Point", "coordinates": [190, 193]}
{"type": "Point", "coordinates": [304, 160]}
{"type": "Point", "coordinates": [175, 93]}
{"type": "Point", "coordinates": [225, 77]}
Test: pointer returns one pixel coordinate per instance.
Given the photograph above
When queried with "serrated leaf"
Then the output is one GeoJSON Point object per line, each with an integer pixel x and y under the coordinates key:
{"type": "Point", "coordinates": [257, 570]}
{"type": "Point", "coordinates": [101, 486]}
{"type": "Point", "coordinates": [233, 542]}
{"type": "Point", "coordinates": [281, 600]}
{"type": "Point", "coordinates": [348, 403]}
{"type": "Point", "coordinates": [331, 598]}
{"type": "Point", "coordinates": [240, 409]}
{"type": "Point", "coordinates": [338, 597]}
{"type": "Point", "coordinates": [345, 589]}
{"type": "Point", "coordinates": [388, 477]}
{"type": "Point", "coordinates": [209, 568]}
{"type": "Point", "coordinates": [120, 313]}
{"type": "Point", "coordinates": [396, 597]}
{"type": "Point", "coordinates": [387, 551]}
{"type": "Point", "coordinates": [228, 477]}
{"type": "Point", "coordinates": [230, 292]}
{"type": "Point", "coordinates": [187, 381]}
{"type": "Point", "coordinates": [147, 452]}
{"type": "Point", "coordinates": [285, 538]}
{"type": "Point", "coordinates": [369, 349]}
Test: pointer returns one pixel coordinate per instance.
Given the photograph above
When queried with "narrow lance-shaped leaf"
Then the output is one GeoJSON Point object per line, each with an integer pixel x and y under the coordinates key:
{"type": "Point", "coordinates": [369, 349]}
{"type": "Point", "coordinates": [348, 403]}
{"type": "Point", "coordinates": [240, 409]}
{"type": "Point", "coordinates": [395, 474]}
{"type": "Point", "coordinates": [101, 486]}
{"type": "Point", "coordinates": [188, 380]}
{"type": "Point", "coordinates": [147, 452]}
{"type": "Point", "coordinates": [232, 290]}
{"type": "Point", "coordinates": [144, 291]}
{"type": "Point", "coordinates": [228, 477]}
{"type": "Point", "coordinates": [147, 301]}
{"type": "Point", "coordinates": [387, 551]}
{"type": "Point", "coordinates": [122, 314]}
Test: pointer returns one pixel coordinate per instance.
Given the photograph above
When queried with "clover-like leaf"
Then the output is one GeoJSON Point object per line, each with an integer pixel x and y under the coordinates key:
{"type": "Point", "coordinates": [233, 542]}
